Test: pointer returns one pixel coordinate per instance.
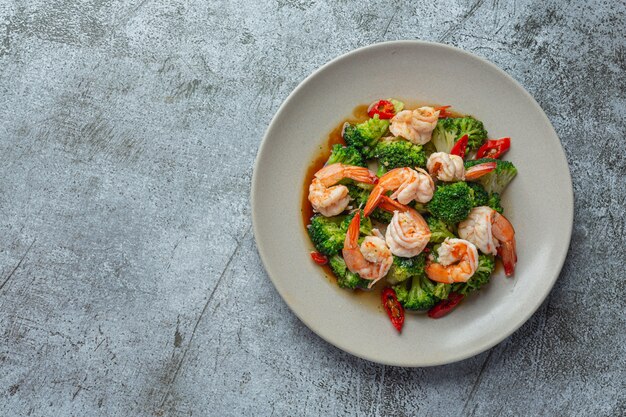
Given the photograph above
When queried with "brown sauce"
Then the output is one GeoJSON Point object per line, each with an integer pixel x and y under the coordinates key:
{"type": "Point", "coordinates": [359, 114]}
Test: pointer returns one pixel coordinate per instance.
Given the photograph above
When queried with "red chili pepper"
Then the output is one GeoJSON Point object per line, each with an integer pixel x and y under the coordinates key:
{"type": "Point", "coordinates": [319, 259]}
{"type": "Point", "coordinates": [383, 108]}
{"type": "Point", "coordinates": [443, 113]}
{"type": "Point", "coordinates": [494, 148]}
{"type": "Point", "coordinates": [394, 309]}
{"type": "Point", "coordinates": [460, 146]}
{"type": "Point", "coordinates": [443, 307]}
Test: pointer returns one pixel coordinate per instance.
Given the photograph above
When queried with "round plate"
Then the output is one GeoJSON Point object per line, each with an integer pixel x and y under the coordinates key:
{"type": "Point", "coordinates": [539, 201]}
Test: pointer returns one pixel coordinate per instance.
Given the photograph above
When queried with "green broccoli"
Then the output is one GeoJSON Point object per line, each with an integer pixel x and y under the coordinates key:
{"type": "Point", "coordinates": [404, 268]}
{"type": "Point", "coordinates": [397, 152]}
{"type": "Point", "coordinates": [449, 130]}
{"type": "Point", "coordinates": [347, 155]}
{"type": "Point", "coordinates": [451, 203]}
{"type": "Point", "coordinates": [381, 215]}
{"type": "Point", "coordinates": [481, 197]}
{"type": "Point", "coordinates": [345, 278]}
{"type": "Point", "coordinates": [364, 136]}
{"type": "Point", "coordinates": [419, 295]}
{"type": "Point", "coordinates": [329, 233]}
{"type": "Point", "coordinates": [494, 202]}
{"type": "Point", "coordinates": [420, 207]}
{"type": "Point", "coordinates": [442, 291]}
{"type": "Point", "coordinates": [497, 180]}
{"type": "Point", "coordinates": [486, 265]}
{"type": "Point", "coordinates": [439, 231]}
{"type": "Point", "coordinates": [364, 229]}
{"type": "Point", "coordinates": [359, 192]}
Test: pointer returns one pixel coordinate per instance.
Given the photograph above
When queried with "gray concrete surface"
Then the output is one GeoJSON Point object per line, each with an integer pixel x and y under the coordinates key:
{"type": "Point", "coordinates": [130, 284]}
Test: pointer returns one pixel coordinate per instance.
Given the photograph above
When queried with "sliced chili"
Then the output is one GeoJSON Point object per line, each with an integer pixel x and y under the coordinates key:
{"type": "Point", "coordinates": [394, 309]}
{"type": "Point", "coordinates": [460, 147]}
{"type": "Point", "coordinates": [443, 307]}
{"type": "Point", "coordinates": [443, 113]}
{"type": "Point", "coordinates": [383, 108]}
{"type": "Point", "coordinates": [318, 258]}
{"type": "Point", "coordinates": [494, 148]}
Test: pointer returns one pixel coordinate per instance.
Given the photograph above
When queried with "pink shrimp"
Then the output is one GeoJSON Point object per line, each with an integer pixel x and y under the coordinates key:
{"type": "Point", "coordinates": [330, 199]}
{"type": "Point", "coordinates": [408, 184]}
{"type": "Point", "coordinates": [447, 167]}
{"type": "Point", "coordinates": [415, 125]}
{"type": "Point", "coordinates": [372, 259]}
{"type": "Point", "coordinates": [492, 233]}
{"type": "Point", "coordinates": [407, 234]}
{"type": "Point", "coordinates": [458, 260]}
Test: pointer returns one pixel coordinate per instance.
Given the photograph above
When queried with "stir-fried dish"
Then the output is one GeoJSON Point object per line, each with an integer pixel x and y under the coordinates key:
{"type": "Point", "coordinates": [411, 202]}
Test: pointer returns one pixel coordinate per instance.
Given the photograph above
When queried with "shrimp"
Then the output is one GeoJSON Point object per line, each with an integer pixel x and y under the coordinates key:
{"type": "Point", "coordinates": [492, 233]}
{"type": "Point", "coordinates": [330, 199]}
{"type": "Point", "coordinates": [408, 184]}
{"type": "Point", "coordinates": [407, 234]}
{"type": "Point", "coordinates": [415, 125]}
{"type": "Point", "coordinates": [372, 259]}
{"type": "Point", "coordinates": [458, 260]}
{"type": "Point", "coordinates": [447, 167]}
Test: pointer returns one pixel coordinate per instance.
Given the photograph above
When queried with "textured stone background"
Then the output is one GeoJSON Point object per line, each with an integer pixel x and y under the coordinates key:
{"type": "Point", "coordinates": [130, 283]}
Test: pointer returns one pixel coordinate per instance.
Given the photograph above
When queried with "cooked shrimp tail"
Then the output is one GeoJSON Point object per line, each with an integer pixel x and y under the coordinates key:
{"type": "Point", "coordinates": [387, 204]}
{"type": "Point", "coordinates": [372, 259]}
{"type": "Point", "coordinates": [352, 236]}
{"type": "Point", "coordinates": [332, 174]}
{"type": "Point", "coordinates": [373, 200]}
{"type": "Point", "coordinates": [503, 230]}
{"type": "Point", "coordinates": [479, 170]}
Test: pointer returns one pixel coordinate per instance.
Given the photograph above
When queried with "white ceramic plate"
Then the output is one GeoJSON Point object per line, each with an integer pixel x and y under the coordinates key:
{"type": "Point", "coordinates": [539, 202]}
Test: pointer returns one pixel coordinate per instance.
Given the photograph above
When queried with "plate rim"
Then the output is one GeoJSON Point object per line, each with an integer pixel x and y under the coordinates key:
{"type": "Point", "coordinates": [568, 211]}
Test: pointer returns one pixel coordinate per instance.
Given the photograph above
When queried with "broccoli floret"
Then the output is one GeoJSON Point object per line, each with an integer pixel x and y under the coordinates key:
{"type": "Point", "coordinates": [429, 148]}
{"type": "Point", "coordinates": [420, 294]}
{"type": "Point", "coordinates": [381, 215]}
{"type": "Point", "coordinates": [420, 207]}
{"type": "Point", "coordinates": [327, 234]}
{"type": "Point", "coordinates": [364, 229]}
{"type": "Point", "coordinates": [442, 290]}
{"type": "Point", "coordinates": [452, 203]}
{"type": "Point", "coordinates": [404, 268]}
{"type": "Point", "coordinates": [396, 152]}
{"type": "Point", "coordinates": [364, 136]}
{"type": "Point", "coordinates": [439, 231]}
{"type": "Point", "coordinates": [345, 278]}
{"type": "Point", "coordinates": [494, 202]}
{"type": "Point", "coordinates": [486, 265]}
{"type": "Point", "coordinates": [449, 130]}
{"type": "Point", "coordinates": [496, 180]}
{"type": "Point", "coordinates": [481, 197]}
{"type": "Point", "coordinates": [359, 192]}
{"type": "Point", "coordinates": [347, 155]}
{"type": "Point", "coordinates": [442, 139]}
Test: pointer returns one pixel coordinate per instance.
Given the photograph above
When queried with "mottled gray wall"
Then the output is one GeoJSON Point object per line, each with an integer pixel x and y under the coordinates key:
{"type": "Point", "coordinates": [130, 283]}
